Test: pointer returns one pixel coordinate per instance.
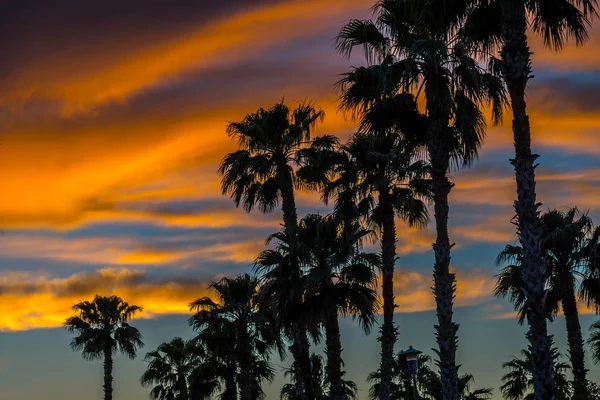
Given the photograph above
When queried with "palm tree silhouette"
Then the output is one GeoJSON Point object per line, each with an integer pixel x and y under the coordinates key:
{"type": "Point", "coordinates": [415, 54]}
{"type": "Point", "coordinates": [261, 174]}
{"type": "Point", "coordinates": [518, 383]}
{"type": "Point", "coordinates": [340, 280]}
{"type": "Point", "coordinates": [594, 341]}
{"type": "Point", "coordinates": [319, 378]}
{"type": "Point", "coordinates": [170, 367]}
{"type": "Point", "coordinates": [251, 333]}
{"type": "Point", "coordinates": [374, 178]}
{"type": "Point", "coordinates": [505, 24]}
{"type": "Point", "coordinates": [428, 382]}
{"type": "Point", "coordinates": [566, 239]}
{"type": "Point", "coordinates": [101, 328]}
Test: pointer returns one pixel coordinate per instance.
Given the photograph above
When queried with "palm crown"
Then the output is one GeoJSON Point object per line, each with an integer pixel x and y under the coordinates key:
{"type": "Point", "coordinates": [104, 324]}
{"type": "Point", "coordinates": [517, 383]}
{"type": "Point", "coordinates": [412, 57]}
{"type": "Point", "coordinates": [269, 141]}
{"type": "Point", "coordinates": [567, 244]}
{"type": "Point", "coordinates": [249, 335]}
{"type": "Point", "coordinates": [170, 367]}
{"type": "Point", "coordinates": [101, 328]}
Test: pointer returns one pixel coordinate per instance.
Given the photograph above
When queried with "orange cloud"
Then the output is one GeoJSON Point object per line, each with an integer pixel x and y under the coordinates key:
{"type": "Point", "coordinates": [37, 301]}
{"type": "Point", "coordinates": [123, 250]}
{"type": "Point", "coordinates": [82, 84]}
{"type": "Point", "coordinates": [413, 290]}
{"type": "Point", "coordinates": [42, 302]}
{"type": "Point", "coordinates": [571, 57]}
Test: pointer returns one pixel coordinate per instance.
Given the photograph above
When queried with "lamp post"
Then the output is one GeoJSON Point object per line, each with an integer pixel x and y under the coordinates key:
{"type": "Point", "coordinates": [412, 359]}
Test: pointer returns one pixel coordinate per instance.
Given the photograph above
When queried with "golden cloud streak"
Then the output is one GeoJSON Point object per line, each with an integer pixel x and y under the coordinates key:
{"type": "Point", "coordinates": [42, 302]}
{"type": "Point", "coordinates": [412, 290]}
{"type": "Point", "coordinates": [128, 251]}
{"type": "Point", "coordinates": [211, 46]}
{"type": "Point", "coordinates": [31, 302]}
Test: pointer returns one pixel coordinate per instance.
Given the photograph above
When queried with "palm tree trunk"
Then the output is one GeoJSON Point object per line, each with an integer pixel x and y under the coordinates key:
{"type": "Point", "coordinates": [301, 352]}
{"type": "Point", "coordinates": [444, 286]}
{"type": "Point", "coordinates": [230, 392]}
{"type": "Point", "coordinates": [300, 346]}
{"type": "Point", "coordinates": [516, 65]}
{"type": "Point", "coordinates": [575, 341]}
{"type": "Point", "coordinates": [183, 388]}
{"type": "Point", "coordinates": [333, 345]}
{"type": "Point", "coordinates": [108, 378]}
{"type": "Point", "coordinates": [388, 256]}
{"type": "Point", "coordinates": [245, 357]}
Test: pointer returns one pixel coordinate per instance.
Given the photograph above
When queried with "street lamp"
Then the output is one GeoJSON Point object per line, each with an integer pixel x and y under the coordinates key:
{"type": "Point", "coordinates": [412, 359]}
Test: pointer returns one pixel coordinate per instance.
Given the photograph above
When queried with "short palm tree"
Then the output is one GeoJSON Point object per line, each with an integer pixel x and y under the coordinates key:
{"type": "Point", "coordinates": [217, 373]}
{"type": "Point", "coordinates": [319, 378]}
{"type": "Point", "coordinates": [261, 174]}
{"type": "Point", "coordinates": [594, 341]}
{"type": "Point", "coordinates": [101, 328]}
{"type": "Point", "coordinates": [250, 333]}
{"type": "Point", "coordinates": [506, 24]}
{"type": "Point", "coordinates": [518, 383]}
{"type": "Point", "coordinates": [431, 389]}
{"type": "Point", "coordinates": [401, 381]}
{"type": "Point", "coordinates": [340, 280]}
{"type": "Point", "coordinates": [565, 246]}
{"type": "Point", "coordinates": [415, 54]}
{"type": "Point", "coordinates": [170, 367]}
{"type": "Point", "coordinates": [374, 177]}
{"type": "Point", "coordinates": [428, 383]}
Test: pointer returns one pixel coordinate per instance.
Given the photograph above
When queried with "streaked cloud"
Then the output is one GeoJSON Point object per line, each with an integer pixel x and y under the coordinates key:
{"type": "Point", "coordinates": [413, 289]}
{"type": "Point", "coordinates": [35, 301]}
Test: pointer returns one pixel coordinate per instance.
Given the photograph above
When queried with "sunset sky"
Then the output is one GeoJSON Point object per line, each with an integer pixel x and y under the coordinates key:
{"type": "Point", "coordinates": [112, 124]}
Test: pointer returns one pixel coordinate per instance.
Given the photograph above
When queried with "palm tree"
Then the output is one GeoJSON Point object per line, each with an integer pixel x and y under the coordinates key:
{"type": "Point", "coordinates": [261, 174]}
{"type": "Point", "coordinates": [374, 177]}
{"type": "Point", "coordinates": [432, 388]}
{"type": "Point", "coordinates": [565, 247]}
{"type": "Point", "coordinates": [319, 378]}
{"type": "Point", "coordinates": [101, 328]}
{"type": "Point", "coordinates": [505, 24]}
{"type": "Point", "coordinates": [340, 280]}
{"type": "Point", "coordinates": [415, 54]}
{"type": "Point", "coordinates": [428, 382]}
{"type": "Point", "coordinates": [170, 367]}
{"type": "Point", "coordinates": [594, 341]}
{"type": "Point", "coordinates": [402, 380]}
{"type": "Point", "coordinates": [518, 383]}
{"type": "Point", "coordinates": [217, 373]}
{"type": "Point", "coordinates": [249, 333]}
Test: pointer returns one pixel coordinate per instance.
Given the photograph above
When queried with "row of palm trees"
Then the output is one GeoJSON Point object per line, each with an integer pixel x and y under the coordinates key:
{"type": "Point", "coordinates": [420, 103]}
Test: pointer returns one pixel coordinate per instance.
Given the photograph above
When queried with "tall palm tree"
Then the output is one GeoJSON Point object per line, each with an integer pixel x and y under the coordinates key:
{"type": "Point", "coordinates": [340, 280]}
{"type": "Point", "coordinates": [250, 332]}
{"type": "Point", "coordinates": [505, 24]}
{"type": "Point", "coordinates": [417, 55]}
{"type": "Point", "coordinates": [565, 247]}
{"type": "Point", "coordinates": [101, 328]}
{"type": "Point", "coordinates": [170, 367]}
{"type": "Point", "coordinates": [374, 177]}
{"type": "Point", "coordinates": [518, 383]}
{"type": "Point", "coordinates": [261, 174]}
